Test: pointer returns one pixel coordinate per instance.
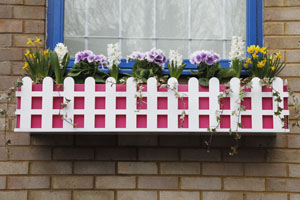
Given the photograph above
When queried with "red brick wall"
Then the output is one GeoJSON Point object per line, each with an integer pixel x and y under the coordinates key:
{"type": "Point", "coordinates": [72, 167]}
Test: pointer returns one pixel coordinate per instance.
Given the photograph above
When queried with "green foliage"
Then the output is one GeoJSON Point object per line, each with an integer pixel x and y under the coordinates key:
{"type": "Point", "coordinates": [83, 69]}
{"type": "Point", "coordinates": [237, 66]}
{"type": "Point", "coordinates": [37, 64]}
{"type": "Point", "coordinates": [175, 71]}
{"type": "Point", "coordinates": [59, 70]}
{"type": "Point", "coordinates": [206, 72]}
{"type": "Point", "coordinates": [114, 72]}
{"type": "Point", "coordinates": [142, 70]}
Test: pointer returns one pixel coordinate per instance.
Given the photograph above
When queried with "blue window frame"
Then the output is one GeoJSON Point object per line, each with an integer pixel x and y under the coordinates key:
{"type": "Point", "coordinates": [55, 30]}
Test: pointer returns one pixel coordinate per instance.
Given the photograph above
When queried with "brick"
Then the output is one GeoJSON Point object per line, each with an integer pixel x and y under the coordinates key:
{"type": "Point", "coordinates": [52, 140]}
{"type": "Point", "coordinates": [261, 196]}
{"type": "Point", "coordinates": [28, 182]}
{"type": "Point", "coordinates": [30, 153]}
{"type": "Point", "coordinates": [161, 183]}
{"type": "Point", "coordinates": [35, 2]}
{"type": "Point", "coordinates": [201, 183]}
{"type": "Point", "coordinates": [115, 182]}
{"type": "Point", "coordinates": [96, 140]}
{"type": "Point", "coordinates": [23, 12]}
{"type": "Point", "coordinates": [2, 182]}
{"type": "Point", "coordinates": [273, 28]}
{"type": "Point", "coordinates": [5, 68]}
{"type": "Point", "coordinates": [7, 82]}
{"type": "Point", "coordinates": [220, 141]}
{"type": "Point", "coordinates": [292, 56]}
{"type": "Point", "coordinates": [291, 70]}
{"type": "Point", "coordinates": [5, 12]}
{"type": "Point", "coordinates": [222, 196]}
{"type": "Point", "coordinates": [11, 1]}
{"type": "Point", "coordinates": [265, 170]}
{"type": "Point", "coordinates": [73, 154]}
{"type": "Point", "coordinates": [137, 195]}
{"type": "Point", "coordinates": [272, 14]}
{"type": "Point", "coordinates": [294, 196]}
{"type": "Point", "coordinates": [278, 140]}
{"type": "Point", "coordinates": [282, 42]}
{"type": "Point", "coordinates": [13, 195]}
{"type": "Point", "coordinates": [21, 40]}
{"type": "Point", "coordinates": [93, 195]}
{"type": "Point", "coordinates": [4, 153]}
{"type": "Point", "coordinates": [13, 168]}
{"type": "Point", "coordinates": [94, 167]}
{"type": "Point", "coordinates": [166, 154]}
{"type": "Point", "coordinates": [51, 167]}
{"type": "Point", "coordinates": [294, 141]}
{"type": "Point", "coordinates": [292, 3]}
{"type": "Point", "coordinates": [222, 169]}
{"type": "Point", "coordinates": [11, 54]}
{"type": "Point", "coordinates": [18, 138]}
{"type": "Point", "coordinates": [245, 155]}
{"type": "Point", "coordinates": [34, 27]}
{"type": "Point", "coordinates": [294, 170]}
{"type": "Point", "coordinates": [293, 28]}
{"type": "Point", "coordinates": [273, 2]}
{"type": "Point", "coordinates": [249, 184]}
{"type": "Point", "coordinates": [179, 168]}
{"type": "Point", "coordinates": [10, 26]}
{"type": "Point", "coordinates": [294, 87]}
{"type": "Point", "coordinates": [50, 195]}
{"type": "Point", "coordinates": [5, 40]}
{"type": "Point", "coordinates": [283, 185]}
{"type": "Point", "coordinates": [283, 156]}
{"type": "Point", "coordinates": [72, 182]}
{"type": "Point", "coordinates": [179, 196]}
{"type": "Point", "coordinates": [180, 141]}
{"type": "Point", "coordinates": [17, 68]}
{"type": "Point", "coordinates": [137, 140]}
{"type": "Point", "coordinates": [116, 154]}
{"type": "Point", "coordinates": [200, 155]}
{"type": "Point", "coordinates": [137, 168]}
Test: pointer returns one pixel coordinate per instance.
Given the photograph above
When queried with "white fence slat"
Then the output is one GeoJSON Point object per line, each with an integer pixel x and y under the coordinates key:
{"type": "Point", "coordinates": [277, 86]}
{"type": "Point", "coordinates": [256, 98]}
{"type": "Point", "coordinates": [110, 104]}
{"type": "Point", "coordinates": [214, 91]}
{"type": "Point", "coordinates": [69, 110]}
{"type": "Point", "coordinates": [172, 105]}
{"type": "Point", "coordinates": [47, 103]}
{"type": "Point", "coordinates": [193, 99]}
{"type": "Point", "coordinates": [152, 95]}
{"type": "Point", "coordinates": [235, 86]}
{"type": "Point", "coordinates": [25, 111]}
{"type": "Point", "coordinates": [131, 118]}
{"type": "Point", "coordinates": [89, 104]}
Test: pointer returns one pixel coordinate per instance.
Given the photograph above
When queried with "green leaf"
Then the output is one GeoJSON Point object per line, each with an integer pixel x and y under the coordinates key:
{"type": "Point", "coordinates": [203, 81]}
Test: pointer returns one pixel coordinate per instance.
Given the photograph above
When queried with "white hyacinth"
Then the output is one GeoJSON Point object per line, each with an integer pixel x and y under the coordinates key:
{"type": "Point", "coordinates": [113, 55]}
{"type": "Point", "coordinates": [237, 48]}
{"type": "Point", "coordinates": [175, 58]}
{"type": "Point", "coordinates": [61, 50]}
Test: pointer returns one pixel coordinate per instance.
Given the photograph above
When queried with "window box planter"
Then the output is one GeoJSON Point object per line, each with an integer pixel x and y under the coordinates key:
{"type": "Point", "coordinates": [116, 108]}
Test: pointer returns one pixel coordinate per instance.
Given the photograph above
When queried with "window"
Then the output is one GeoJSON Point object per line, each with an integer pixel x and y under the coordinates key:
{"type": "Point", "coordinates": [143, 24]}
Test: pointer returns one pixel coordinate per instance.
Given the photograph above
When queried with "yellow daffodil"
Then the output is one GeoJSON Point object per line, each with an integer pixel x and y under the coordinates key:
{"type": "Point", "coordinates": [278, 55]}
{"type": "Point", "coordinates": [246, 65]}
{"type": "Point", "coordinates": [37, 41]}
{"type": "Point", "coordinates": [257, 49]}
{"type": "Point", "coordinates": [27, 53]}
{"type": "Point", "coordinates": [46, 52]}
{"type": "Point", "coordinates": [260, 64]}
{"type": "Point", "coordinates": [248, 61]}
{"type": "Point", "coordinates": [25, 66]}
{"type": "Point", "coordinates": [273, 68]}
{"type": "Point", "coordinates": [251, 49]}
{"type": "Point", "coordinates": [29, 42]}
{"type": "Point", "coordinates": [263, 50]}
{"type": "Point", "coordinates": [254, 56]}
{"type": "Point", "coordinates": [265, 60]}
{"type": "Point", "coordinates": [31, 56]}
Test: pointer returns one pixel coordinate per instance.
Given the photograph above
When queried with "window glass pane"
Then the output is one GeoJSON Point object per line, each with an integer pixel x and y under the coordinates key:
{"type": "Point", "coordinates": [137, 18]}
{"type": "Point", "coordinates": [172, 18]}
{"type": "Point", "coordinates": [139, 25]}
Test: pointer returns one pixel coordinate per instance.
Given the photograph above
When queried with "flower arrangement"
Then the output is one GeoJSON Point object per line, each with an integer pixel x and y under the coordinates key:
{"type": "Point", "coordinates": [149, 64]}
{"type": "Point", "coordinates": [114, 60]}
{"type": "Point", "coordinates": [236, 55]}
{"type": "Point", "coordinates": [175, 65]}
{"type": "Point", "coordinates": [59, 61]}
{"type": "Point", "coordinates": [208, 67]}
{"type": "Point", "coordinates": [37, 61]}
{"type": "Point", "coordinates": [86, 65]}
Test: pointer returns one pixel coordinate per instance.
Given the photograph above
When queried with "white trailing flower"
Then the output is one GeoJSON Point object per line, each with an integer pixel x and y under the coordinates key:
{"type": "Point", "coordinates": [61, 50]}
{"type": "Point", "coordinates": [237, 48]}
{"type": "Point", "coordinates": [113, 55]}
{"type": "Point", "coordinates": [175, 58]}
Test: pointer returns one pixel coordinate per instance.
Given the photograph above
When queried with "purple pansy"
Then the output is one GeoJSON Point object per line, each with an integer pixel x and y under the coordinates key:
{"type": "Point", "coordinates": [207, 57]}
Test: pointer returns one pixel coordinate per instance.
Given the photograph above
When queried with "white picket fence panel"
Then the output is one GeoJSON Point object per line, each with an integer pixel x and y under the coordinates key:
{"type": "Point", "coordinates": [110, 112]}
